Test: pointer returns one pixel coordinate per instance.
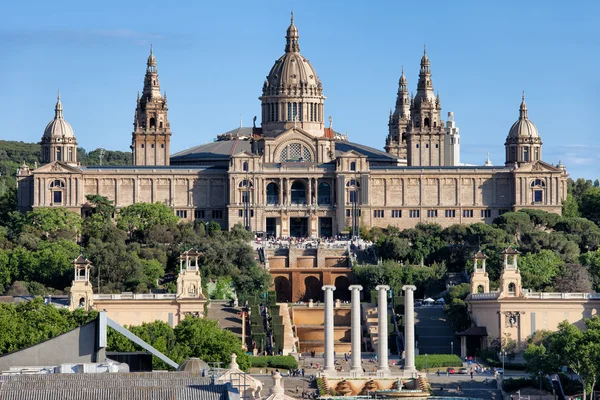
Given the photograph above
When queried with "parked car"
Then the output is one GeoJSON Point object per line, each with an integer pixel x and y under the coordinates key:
{"type": "Point", "coordinates": [451, 370]}
{"type": "Point", "coordinates": [463, 371]}
{"type": "Point", "coordinates": [499, 371]}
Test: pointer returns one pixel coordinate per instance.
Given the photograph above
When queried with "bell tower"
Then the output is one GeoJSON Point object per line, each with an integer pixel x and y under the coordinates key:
{"type": "Point", "coordinates": [151, 138]}
{"type": "Point", "coordinates": [510, 279]}
{"type": "Point", "coordinates": [425, 134]}
{"type": "Point", "coordinates": [480, 282]}
{"type": "Point", "coordinates": [399, 119]}
{"type": "Point", "coordinates": [82, 295]}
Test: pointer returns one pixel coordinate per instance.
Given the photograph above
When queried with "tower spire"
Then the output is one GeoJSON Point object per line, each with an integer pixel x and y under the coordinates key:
{"type": "Point", "coordinates": [58, 109]}
{"type": "Point", "coordinates": [291, 37]}
{"type": "Point", "coordinates": [523, 108]}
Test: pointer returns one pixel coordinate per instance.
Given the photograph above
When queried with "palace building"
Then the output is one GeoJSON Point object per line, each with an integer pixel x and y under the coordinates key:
{"type": "Point", "coordinates": [292, 175]}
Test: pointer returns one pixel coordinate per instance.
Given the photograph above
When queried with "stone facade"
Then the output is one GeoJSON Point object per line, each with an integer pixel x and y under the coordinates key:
{"type": "Point", "coordinates": [295, 177]}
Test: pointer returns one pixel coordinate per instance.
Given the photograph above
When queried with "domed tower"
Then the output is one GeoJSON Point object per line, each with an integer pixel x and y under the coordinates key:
{"type": "Point", "coordinates": [425, 133]}
{"type": "Point", "coordinates": [58, 141]}
{"type": "Point", "coordinates": [151, 138]}
{"type": "Point", "coordinates": [396, 140]}
{"type": "Point", "coordinates": [292, 94]}
{"type": "Point", "coordinates": [523, 144]}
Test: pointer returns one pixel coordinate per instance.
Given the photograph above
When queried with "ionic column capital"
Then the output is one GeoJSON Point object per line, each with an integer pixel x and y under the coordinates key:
{"type": "Point", "coordinates": [328, 287]}
{"type": "Point", "coordinates": [409, 287]}
{"type": "Point", "coordinates": [383, 287]}
{"type": "Point", "coordinates": [355, 287]}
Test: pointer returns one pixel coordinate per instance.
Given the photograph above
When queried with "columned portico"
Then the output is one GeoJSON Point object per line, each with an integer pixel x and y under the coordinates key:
{"type": "Point", "coordinates": [356, 366]}
{"type": "Point", "coordinates": [329, 368]}
{"type": "Point", "coordinates": [383, 368]}
{"type": "Point", "coordinates": [409, 330]}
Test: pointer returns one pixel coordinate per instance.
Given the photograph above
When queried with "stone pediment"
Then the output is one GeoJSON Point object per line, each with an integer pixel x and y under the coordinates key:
{"type": "Point", "coordinates": [352, 153]}
{"type": "Point", "coordinates": [58, 167]}
{"type": "Point", "coordinates": [539, 166]}
{"type": "Point", "coordinates": [295, 133]}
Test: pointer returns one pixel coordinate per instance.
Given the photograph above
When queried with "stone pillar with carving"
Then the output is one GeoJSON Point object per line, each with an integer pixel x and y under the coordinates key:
{"type": "Point", "coordinates": [356, 366]}
{"type": "Point", "coordinates": [329, 367]}
{"type": "Point", "coordinates": [383, 368]}
{"type": "Point", "coordinates": [409, 329]}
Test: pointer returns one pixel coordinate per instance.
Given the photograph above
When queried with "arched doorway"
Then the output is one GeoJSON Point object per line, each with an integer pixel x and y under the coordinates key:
{"type": "Point", "coordinates": [324, 194]}
{"type": "Point", "coordinates": [341, 288]}
{"type": "Point", "coordinates": [312, 289]}
{"type": "Point", "coordinates": [298, 192]}
{"type": "Point", "coordinates": [283, 288]}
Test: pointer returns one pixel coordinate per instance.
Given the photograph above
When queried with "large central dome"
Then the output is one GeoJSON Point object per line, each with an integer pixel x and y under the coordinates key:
{"type": "Point", "coordinates": [292, 93]}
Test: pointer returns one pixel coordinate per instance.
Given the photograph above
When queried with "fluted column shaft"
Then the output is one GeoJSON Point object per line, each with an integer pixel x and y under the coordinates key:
{"type": "Point", "coordinates": [329, 368]}
{"type": "Point", "coordinates": [409, 328]}
{"type": "Point", "coordinates": [382, 348]}
{"type": "Point", "coordinates": [356, 365]}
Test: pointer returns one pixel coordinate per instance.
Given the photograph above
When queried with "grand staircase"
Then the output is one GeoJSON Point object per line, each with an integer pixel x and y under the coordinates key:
{"type": "Point", "coordinates": [228, 317]}
{"type": "Point", "coordinates": [434, 331]}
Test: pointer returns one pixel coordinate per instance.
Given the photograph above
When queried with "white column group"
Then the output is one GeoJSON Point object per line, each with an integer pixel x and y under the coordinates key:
{"type": "Point", "coordinates": [409, 329]}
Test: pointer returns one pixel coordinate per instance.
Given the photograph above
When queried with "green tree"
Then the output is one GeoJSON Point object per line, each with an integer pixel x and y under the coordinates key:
{"type": "Point", "coordinates": [539, 270]}
{"type": "Point", "coordinates": [142, 216]}
{"type": "Point", "coordinates": [51, 222]}
{"type": "Point", "coordinates": [570, 207]}
{"type": "Point", "coordinates": [590, 205]}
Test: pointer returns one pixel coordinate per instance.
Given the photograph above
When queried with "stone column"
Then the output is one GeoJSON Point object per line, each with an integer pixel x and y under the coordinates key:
{"type": "Point", "coordinates": [329, 367]}
{"type": "Point", "coordinates": [382, 336]}
{"type": "Point", "coordinates": [356, 366]}
{"type": "Point", "coordinates": [409, 329]}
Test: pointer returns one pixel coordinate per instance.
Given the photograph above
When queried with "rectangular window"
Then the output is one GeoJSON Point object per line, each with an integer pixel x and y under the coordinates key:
{"type": "Point", "coordinates": [240, 213]}
{"type": "Point", "coordinates": [162, 146]}
{"type": "Point", "coordinates": [417, 145]}
{"type": "Point", "coordinates": [199, 214]}
{"type": "Point", "coordinates": [432, 213]}
{"type": "Point", "coordinates": [427, 146]}
{"type": "Point", "coordinates": [414, 213]}
{"type": "Point", "coordinates": [353, 196]}
{"type": "Point", "coordinates": [450, 213]}
{"type": "Point", "coordinates": [152, 146]}
{"type": "Point", "coordinates": [181, 213]}
{"type": "Point", "coordinates": [245, 197]}
{"type": "Point", "coordinates": [467, 213]}
{"type": "Point", "coordinates": [378, 214]}
{"type": "Point", "coordinates": [486, 213]}
{"type": "Point", "coordinates": [437, 146]}
{"type": "Point", "coordinates": [57, 197]}
{"type": "Point", "coordinates": [538, 196]}
{"type": "Point", "coordinates": [217, 214]}
{"type": "Point", "coordinates": [347, 213]}
{"type": "Point", "coordinates": [396, 213]}
{"type": "Point", "coordinates": [142, 145]}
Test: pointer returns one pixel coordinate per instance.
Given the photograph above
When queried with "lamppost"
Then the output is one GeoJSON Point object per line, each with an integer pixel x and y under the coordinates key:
{"type": "Point", "coordinates": [451, 347]}
{"type": "Point", "coordinates": [503, 356]}
{"type": "Point", "coordinates": [426, 365]}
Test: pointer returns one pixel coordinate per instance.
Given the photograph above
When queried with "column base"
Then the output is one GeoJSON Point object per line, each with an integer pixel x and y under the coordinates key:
{"type": "Point", "coordinates": [410, 373]}
{"type": "Point", "coordinates": [357, 374]}
{"type": "Point", "coordinates": [329, 372]}
{"type": "Point", "coordinates": [383, 373]}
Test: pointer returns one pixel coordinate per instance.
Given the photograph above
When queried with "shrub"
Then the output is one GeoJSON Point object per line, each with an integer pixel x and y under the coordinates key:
{"type": "Point", "coordinates": [283, 362]}
{"type": "Point", "coordinates": [437, 361]}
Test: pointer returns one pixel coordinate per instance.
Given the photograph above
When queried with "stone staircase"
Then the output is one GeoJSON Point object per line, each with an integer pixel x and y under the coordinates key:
{"type": "Point", "coordinates": [228, 317]}
{"type": "Point", "coordinates": [290, 342]}
{"type": "Point", "coordinates": [370, 321]}
{"type": "Point", "coordinates": [434, 331]}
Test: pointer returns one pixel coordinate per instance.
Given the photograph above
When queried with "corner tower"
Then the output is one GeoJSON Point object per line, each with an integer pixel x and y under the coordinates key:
{"type": "Point", "coordinates": [523, 144]}
{"type": "Point", "coordinates": [292, 94]}
{"type": "Point", "coordinates": [58, 142]}
{"type": "Point", "coordinates": [151, 138]}
{"type": "Point", "coordinates": [399, 120]}
{"type": "Point", "coordinates": [425, 133]}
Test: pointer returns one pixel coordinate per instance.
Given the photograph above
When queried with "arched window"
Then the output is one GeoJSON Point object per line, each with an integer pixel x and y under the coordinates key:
{"type": "Point", "coordinates": [152, 123]}
{"type": "Point", "coordinates": [352, 166]}
{"type": "Point", "coordinates": [512, 289]}
{"type": "Point", "coordinates": [353, 182]}
{"type": "Point", "coordinates": [426, 123]}
{"type": "Point", "coordinates": [57, 183]}
{"type": "Point", "coordinates": [245, 166]}
{"type": "Point", "coordinates": [272, 193]}
{"type": "Point", "coordinates": [480, 289]}
{"type": "Point", "coordinates": [298, 192]}
{"type": "Point", "coordinates": [160, 124]}
{"type": "Point", "coordinates": [324, 194]}
{"type": "Point", "coordinates": [245, 183]}
{"type": "Point", "coordinates": [295, 152]}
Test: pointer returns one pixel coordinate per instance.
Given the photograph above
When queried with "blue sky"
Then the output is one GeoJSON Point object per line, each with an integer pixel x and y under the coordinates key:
{"type": "Point", "coordinates": [213, 58]}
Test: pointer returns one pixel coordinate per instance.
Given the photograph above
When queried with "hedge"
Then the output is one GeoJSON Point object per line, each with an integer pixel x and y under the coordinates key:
{"type": "Point", "coordinates": [283, 362]}
{"type": "Point", "coordinates": [437, 361]}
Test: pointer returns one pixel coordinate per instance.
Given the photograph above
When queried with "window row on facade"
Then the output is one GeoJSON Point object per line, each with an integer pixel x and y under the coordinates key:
{"type": "Point", "coordinates": [293, 111]}
{"type": "Point", "coordinates": [433, 213]}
